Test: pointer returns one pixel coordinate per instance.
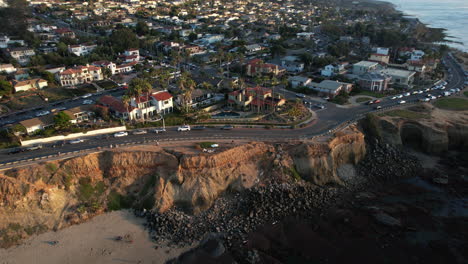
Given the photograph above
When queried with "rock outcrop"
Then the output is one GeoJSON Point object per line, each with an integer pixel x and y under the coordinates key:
{"type": "Point", "coordinates": [432, 130]}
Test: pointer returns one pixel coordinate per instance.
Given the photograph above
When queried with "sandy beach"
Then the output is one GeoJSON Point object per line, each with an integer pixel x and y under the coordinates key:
{"type": "Point", "coordinates": [92, 242]}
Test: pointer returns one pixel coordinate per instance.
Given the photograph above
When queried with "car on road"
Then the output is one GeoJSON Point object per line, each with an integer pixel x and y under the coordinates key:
{"type": "Point", "coordinates": [158, 130]}
{"type": "Point", "coordinates": [407, 94]}
{"type": "Point", "coordinates": [424, 99]}
{"type": "Point", "coordinates": [42, 113]}
{"type": "Point", "coordinates": [394, 97]}
{"type": "Point", "coordinates": [75, 141]}
{"type": "Point", "coordinates": [139, 132]}
{"type": "Point", "coordinates": [320, 106]}
{"type": "Point", "coordinates": [86, 95]}
{"type": "Point", "coordinates": [399, 96]}
{"type": "Point", "coordinates": [300, 95]}
{"type": "Point", "coordinates": [427, 90]}
{"type": "Point", "coordinates": [227, 127]}
{"type": "Point", "coordinates": [88, 102]}
{"type": "Point", "coordinates": [183, 128]}
{"type": "Point", "coordinates": [402, 102]}
{"type": "Point", "coordinates": [33, 147]}
{"type": "Point", "coordinates": [198, 128]}
{"type": "Point", "coordinates": [121, 134]}
{"type": "Point", "coordinates": [15, 151]}
{"type": "Point", "coordinates": [433, 97]}
{"type": "Point", "coordinates": [370, 102]}
{"type": "Point", "coordinates": [376, 101]}
{"type": "Point", "coordinates": [378, 107]}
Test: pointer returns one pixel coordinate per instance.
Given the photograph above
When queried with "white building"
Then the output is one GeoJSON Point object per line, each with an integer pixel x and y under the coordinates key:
{"type": "Point", "coordinates": [22, 55]}
{"type": "Point", "coordinates": [29, 84]}
{"type": "Point", "coordinates": [298, 81]}
{"type": "Point", "coordinates": [80, 75]}
{"type": "Point", "coordinates": [417, 55]}
{"type": "Point", "coordinates": [151, 105]}
{"type": "Point", "coordinates": [363, 67]}
{"type": "Point", "coordinates": [8, 68]}
{"type": "Point", "coordinates": [80, 50]}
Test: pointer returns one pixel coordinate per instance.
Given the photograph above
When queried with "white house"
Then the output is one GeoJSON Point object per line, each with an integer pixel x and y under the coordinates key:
{"type": "Point", "coordinates": [292, 64]}
{"type": "Point", "coordinates": [330, 88]}
{"type": "Point", "coordinates": [328, 70]}
{"type": "Point", "coordinates": [253, 48]}
{"type": "Point", "coordinates": [297, 81]}
{"type": "Point", "coordinates": [80, 50]}
{"type": "Point", "coordinates": [150, 105]}
{"type": "Point", "coordinates": [8, 68]}
{"type": "Point", "coordinates": [80, 75]}
{"type": "Point", "coordinates": [29, 84]}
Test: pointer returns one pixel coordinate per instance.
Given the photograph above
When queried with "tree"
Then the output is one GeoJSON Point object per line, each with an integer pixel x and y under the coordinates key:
{"type": "Point", "coordinates": [123, 39]}
{"type": "Point", "coordinates": [126, 102]}
{"type": "Point", "coordinates": [192, 37]}
{"type": "Point", "coordinates": [106, 72]}
{"type": "Point", "coordinates": [186, 85]}
{"type": "Point", "coordinates": [62, 120]}
{"type": "Point", "coordinates": [6, 88]}
{"type": "Point", "coordinates": [142, 28]}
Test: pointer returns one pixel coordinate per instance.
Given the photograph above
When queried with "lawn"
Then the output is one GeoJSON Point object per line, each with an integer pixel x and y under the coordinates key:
{"type": "Point", "coordinates": [206, 144]}
{"type": "Point", "coordinates": [405, 114]}
{"type": "Point", "coordinates": [369, 93]}
{"type": "Point", "coordinates": [363, 99]}
{"type": "Point", "coordinates": [466, 93]}
{"type": "Point", "coordinates": [452, 104]}
{"type": "Point", "coordinates": [106, 85]}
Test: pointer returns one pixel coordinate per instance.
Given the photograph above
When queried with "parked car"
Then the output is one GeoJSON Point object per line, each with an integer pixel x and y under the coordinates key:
{"type": "Point", "coordinates": [376, 101]}
{"type": "Point", "coordinates": [15, 151]}
{"type": "Point", "coordinates": [227, 127]}
{"type": "Point", "coordinates": [86, 95]}
{"type": "Point", "coordinates": [320, 106]}
{"type": "Point", "coordinates": [402, 102]}
{"type": "Point", "coordinates": [399, 96]}
{"type": "Point", "coordinates": [88, 102]}
{"type": "Point", "coordinates": [183, 128]}
{"type": "Point", "coordinates": [158, 130]}
{"type": "Point", "coordinates": [139, 132]}
{"type": "Point", "coordinates": [198, 128]}
{"type": "Point", "coordinates": [58, 109]}
{"type": "Point", "coordinates": [407, 94]}
{"type": "Point", "coordinates": [378, 107]}
{"type": "Point", "coordinates": [121, 134]}
{"type": "Point", "coordinates": [75, 141]}
{"type": "Point", "coordinates": [300, 95]}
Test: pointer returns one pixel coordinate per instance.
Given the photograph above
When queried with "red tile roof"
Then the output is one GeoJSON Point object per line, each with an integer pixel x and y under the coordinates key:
{"type": "Point", "coordinates": [161, 96]}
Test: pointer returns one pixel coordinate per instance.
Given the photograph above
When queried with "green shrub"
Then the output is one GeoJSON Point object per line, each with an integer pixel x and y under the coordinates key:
{"type": "Point", "coordinates": [51, 168]}
{"type": "Point", "coordinates": [116, 201]}
{"type": "Point", "coordinates": [206, 144]}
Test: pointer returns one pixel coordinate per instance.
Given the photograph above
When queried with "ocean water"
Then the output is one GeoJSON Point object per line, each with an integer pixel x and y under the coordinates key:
{"type": "Point", "coordinates": [449, 14]}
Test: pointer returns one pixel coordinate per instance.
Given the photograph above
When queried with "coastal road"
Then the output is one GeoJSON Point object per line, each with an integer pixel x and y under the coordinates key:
{"type": "Point", "coordinates": [327, 119]}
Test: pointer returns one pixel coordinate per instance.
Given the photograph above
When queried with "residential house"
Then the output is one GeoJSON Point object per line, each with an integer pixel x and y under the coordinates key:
{"type": "Point", "coordinates": [194, 50]}
{"type": "Point", "coordinates": [82, 49]}
{"type": "Point", "coordinates": [292, 64]}
{"type": "Point", "coordinates": [374, 82]}
{"type": "Point", "coordinates": [257, 67]}
{"type": "Point", "coordinates": [363, 67]}
{"type": "Point", "coordinates": [334, 69]}
{"type": "Point", "coordinates": [417, 55]}
{"type": "Point", "coordinates": [253, 48]}
{"type": "Point", "coordinates": [21, 74]}
{"type": "Point", "coordinates": [305, 35]}
{"type": "Point", "coordinates": [417, 66]}
{"type": "Point", "coordinates": [254, 98]}
{"type": "Point", "coordinates": [330, 88]}
{"type": "Point", "coordinates": [22, 54]}
{"type": "Point", "coordinates": [80, 113]}
{"type": "Point", "coordinates": [117, 108]}
{"type": "Point", "coordinates": [299, 81]}
{"type": "Point", "coordinates": [147, 106]}
{"type": "Point", "coordinates": [380, 58]}
{"type": "Point", "coordinates": [198, 97]}
{"type": "Point", "coordinates": [132, 55]}
{"type": "Point", "coordinates": [29, 84]}
{"type": "Point", "coordinates": [8, 68]}
{"type": "Point", "coordinates": [400, 78]}
{"type": "Point", "coordinates": [5, 41]}
{"type": "Point", "coordinates": [80, 75]}
{"type": "Point", "coordinates": [65, 33]}
{"type": "Point", "coordinates": [39, 123]}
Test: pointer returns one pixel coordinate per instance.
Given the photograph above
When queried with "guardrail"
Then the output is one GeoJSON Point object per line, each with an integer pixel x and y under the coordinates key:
{"type": "Point", "coordinates": [341, 126]}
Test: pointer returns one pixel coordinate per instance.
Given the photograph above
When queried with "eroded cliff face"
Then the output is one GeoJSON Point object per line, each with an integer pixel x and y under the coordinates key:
{"type": "Point", "coordinates": [432, 130]}
{"type": "Point", "coordinates": [55, 194]}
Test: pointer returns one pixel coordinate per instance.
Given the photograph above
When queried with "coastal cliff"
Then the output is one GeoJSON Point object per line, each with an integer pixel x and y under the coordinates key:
{"type": "Point", "coordinates": [53, 195]}
{"type": "Point", "coordinates": [423, 127]}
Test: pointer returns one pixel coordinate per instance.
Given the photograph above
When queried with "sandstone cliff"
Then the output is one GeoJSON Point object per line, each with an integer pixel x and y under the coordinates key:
{"type": "Point", "coordinates": [56, 194]}
{"type": "Point", "coordinates": [424, 127]}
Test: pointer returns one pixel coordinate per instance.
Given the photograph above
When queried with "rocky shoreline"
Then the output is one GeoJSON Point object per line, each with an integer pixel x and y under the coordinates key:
{"type": "Point", "coordinates": [235, 215]}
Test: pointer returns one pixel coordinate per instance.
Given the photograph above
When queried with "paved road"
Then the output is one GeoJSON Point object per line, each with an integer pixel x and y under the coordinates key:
{"type": "Point", "coordinates": [328, 119]}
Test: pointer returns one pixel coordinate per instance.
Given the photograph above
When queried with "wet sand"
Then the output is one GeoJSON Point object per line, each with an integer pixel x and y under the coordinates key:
{"type": "Point", "coordinates": [92, 242]}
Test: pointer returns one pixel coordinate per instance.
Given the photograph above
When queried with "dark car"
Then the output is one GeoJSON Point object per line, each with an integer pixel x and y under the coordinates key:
{"type": "Point", "coordinates": [227, 127]}
{"type": "Point", "coordinates": [15, 151]}
{"type": "Point", "coordinates": [198, 128]}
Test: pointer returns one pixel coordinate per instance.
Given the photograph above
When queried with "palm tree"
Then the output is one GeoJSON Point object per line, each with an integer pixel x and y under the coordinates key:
{"type": "Point", "coordinates": [187, 85]}
{"type": "Point", "coordinates": [126, 102]}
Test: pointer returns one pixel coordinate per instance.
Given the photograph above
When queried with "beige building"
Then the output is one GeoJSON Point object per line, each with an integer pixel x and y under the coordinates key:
{"type": "Point", "coordinates": [80, 75]}
{"type": "Point", "coordinates": [29, 84]}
